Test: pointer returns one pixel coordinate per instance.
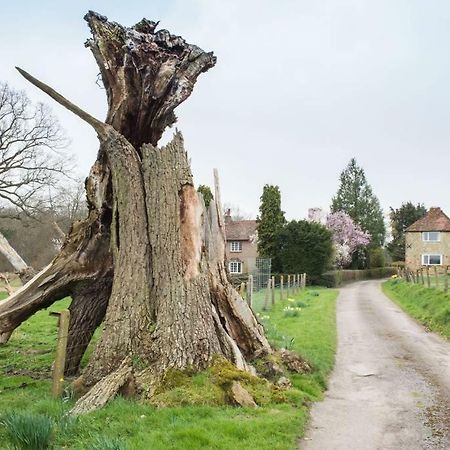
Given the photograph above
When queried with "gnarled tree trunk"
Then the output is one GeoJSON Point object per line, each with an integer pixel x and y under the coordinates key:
{"type": "Point", "coordinates": [170, 303]}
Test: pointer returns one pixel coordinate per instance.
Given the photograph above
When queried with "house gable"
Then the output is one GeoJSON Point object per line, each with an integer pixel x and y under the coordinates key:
{"type": "Point", "coordinates": [427, 241]}
{"type": "Point", "coordinates": [434, 220]}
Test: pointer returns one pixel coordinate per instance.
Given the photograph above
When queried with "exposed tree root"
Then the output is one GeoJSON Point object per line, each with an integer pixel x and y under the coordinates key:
{"type": "Point", "coordinates": [102, 392]}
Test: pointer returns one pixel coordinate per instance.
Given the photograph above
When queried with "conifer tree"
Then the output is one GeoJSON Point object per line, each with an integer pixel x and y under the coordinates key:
{"type": "Point", "coordinates": [271, 221]}
{"type": "Point", "coordinates": [356, 198]}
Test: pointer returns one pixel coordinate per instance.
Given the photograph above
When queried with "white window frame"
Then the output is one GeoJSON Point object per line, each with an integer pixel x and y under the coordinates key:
{"type": "Point", "coordinates": [237, 265]}
{"type": "Point", "coordinates": [426, 259]}
{"type": "Point", "coordinates": [426, 236]}
{"type": "Point", "coordinates": [235, 246]}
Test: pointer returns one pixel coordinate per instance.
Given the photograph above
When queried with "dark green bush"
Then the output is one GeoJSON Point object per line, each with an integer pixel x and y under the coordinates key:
{"type": "Point", "coordinates": [28, 431]}
{"type": "Point", "coordinates": [305, 247]}
{"type": "Point", "coordinates": [376, 257]}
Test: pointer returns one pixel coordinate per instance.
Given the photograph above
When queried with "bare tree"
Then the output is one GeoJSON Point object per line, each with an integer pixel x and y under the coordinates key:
{"type": "Point", "coordinates": [235, 212]}
{"type": "Point", "coordinates": [31, 161]}
{"type": "Point", "coordinates": [67, 205]}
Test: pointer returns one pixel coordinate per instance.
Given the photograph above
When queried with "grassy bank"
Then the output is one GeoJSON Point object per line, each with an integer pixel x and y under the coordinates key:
{"type": "Point", "coordinates": [306, 326]}
{"type": "Point", "coordinates": [428, 305]}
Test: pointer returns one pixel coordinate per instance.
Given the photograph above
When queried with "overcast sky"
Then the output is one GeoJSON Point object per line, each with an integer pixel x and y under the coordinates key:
{"type": "Point", "coordinates": [299, 88]}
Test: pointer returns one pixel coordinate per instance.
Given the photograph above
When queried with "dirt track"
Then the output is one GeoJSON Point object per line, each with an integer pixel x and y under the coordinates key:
{"type": "Point", "coordinates": [391, 385]}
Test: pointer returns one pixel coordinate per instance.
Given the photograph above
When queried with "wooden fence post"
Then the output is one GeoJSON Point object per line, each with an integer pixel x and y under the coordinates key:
{"type": "Point", "coordinates": [289, 286]}
{"type": "Point", "coordinates": [422, 279]}
{"type": "Point", "coordinates": [273, 291]}
{"type": "Point", "coordinates": [436, 277]}
{"type": "Point", "coordinates": [250, 291]}
{"type": "Point", "coordinates": [267, 297]}
{"type": "Point", "coordinates": [446, 279]}
{"type": "Point", "coordinates": [428, 277]}
{"type": "Point", "coordinates": [242, 290]}
{"type": "Point", "coordinates": [281, 287]}
{"type": "Point", "coordinates": [60, 357]}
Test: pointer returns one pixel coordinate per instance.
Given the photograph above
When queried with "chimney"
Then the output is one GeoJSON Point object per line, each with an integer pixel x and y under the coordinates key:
{"type": "Point", "coordinates": [227, 216]}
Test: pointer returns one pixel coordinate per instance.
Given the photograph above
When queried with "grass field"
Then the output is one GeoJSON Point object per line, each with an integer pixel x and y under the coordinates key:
{"type": "Point", "coordinates": [428, 305]}
{"type": "Point", "coordinates": [123, 424]}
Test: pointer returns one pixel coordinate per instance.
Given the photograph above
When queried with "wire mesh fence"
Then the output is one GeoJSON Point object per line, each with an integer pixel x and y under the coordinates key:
{"type": "Point", "coordinates": [276, 288]}
{"type": "Point", "coordinates": [261, 273]}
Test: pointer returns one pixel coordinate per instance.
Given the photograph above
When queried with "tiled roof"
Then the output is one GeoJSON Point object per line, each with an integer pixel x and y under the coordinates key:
{"type": "Point", "coordinates": [241, 230]}
{"type": "Point", "coordinates": [435, 220]}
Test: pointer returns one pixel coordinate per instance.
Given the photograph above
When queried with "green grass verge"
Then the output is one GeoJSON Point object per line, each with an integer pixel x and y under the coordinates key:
{"type": "Point", "coordinates": [429, 306]}
{"type": "Point", "coordinates": [25, 387]}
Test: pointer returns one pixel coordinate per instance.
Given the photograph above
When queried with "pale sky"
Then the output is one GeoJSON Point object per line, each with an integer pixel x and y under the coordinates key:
{"type": "Point", "coordinates": [300, 87]}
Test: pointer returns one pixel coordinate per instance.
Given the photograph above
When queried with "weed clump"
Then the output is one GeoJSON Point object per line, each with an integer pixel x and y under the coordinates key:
{"type": "Point", "coordinates": [300, 304]}
{"type": "Point", "coordinates": [106, 443]}
{"type": "Point", "coordinates": [290, 311]}
{"type": "Point", "coordinates": [313, 293]}
{"type": "Point", "coordinates": [28, 431]}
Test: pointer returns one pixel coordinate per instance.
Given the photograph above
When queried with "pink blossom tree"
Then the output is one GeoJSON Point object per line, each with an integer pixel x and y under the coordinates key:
{"type": "Point", "coordinates": [348, 236]}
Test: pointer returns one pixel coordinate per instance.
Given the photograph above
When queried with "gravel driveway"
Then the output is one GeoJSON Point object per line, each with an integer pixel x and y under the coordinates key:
{"type": "Point", "coordinates": [390, 388]}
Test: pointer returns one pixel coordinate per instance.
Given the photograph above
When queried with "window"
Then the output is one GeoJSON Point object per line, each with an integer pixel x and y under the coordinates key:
{"type": "Point", "coordinates": [431, 236]}
{"type": "Point", "coordinates": [235, 267]}
{"type": "Point", "coordinates": [432, 260]}
{"type": "Point", "coordinates": [236, 246]}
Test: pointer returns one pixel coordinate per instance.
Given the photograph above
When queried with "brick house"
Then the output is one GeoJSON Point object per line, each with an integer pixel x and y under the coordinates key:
{"type": "Point", "coordinates": [427, 241]}
{"type": "Point", "coordinates": [241, 245]}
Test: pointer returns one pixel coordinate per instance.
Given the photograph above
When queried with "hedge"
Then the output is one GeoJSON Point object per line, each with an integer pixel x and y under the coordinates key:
{"type": "Point", "coordinates": [336, 278]}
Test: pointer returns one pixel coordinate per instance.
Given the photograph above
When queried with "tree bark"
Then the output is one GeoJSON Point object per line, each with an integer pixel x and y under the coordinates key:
{"type": "Point", "coordinates": [24, 271]}
{"type": "Point", "coordinates": [170, 304]}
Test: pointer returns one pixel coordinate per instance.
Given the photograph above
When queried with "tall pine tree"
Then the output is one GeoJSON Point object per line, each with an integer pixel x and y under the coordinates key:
{"type": "Point", "coordinates": [356, 198]}
{"type": "Point", "coordinates": [271, 221]}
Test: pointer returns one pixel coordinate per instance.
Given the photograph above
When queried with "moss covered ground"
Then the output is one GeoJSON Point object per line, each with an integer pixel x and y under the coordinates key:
{"type": "Point", "coordinates": [194, 415]}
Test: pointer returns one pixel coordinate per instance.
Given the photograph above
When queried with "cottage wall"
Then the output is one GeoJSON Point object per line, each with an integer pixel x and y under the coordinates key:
{"type": "Point", "coordinates": [416, 247]}
{"type": "Point", "coordinates": [247, 256]}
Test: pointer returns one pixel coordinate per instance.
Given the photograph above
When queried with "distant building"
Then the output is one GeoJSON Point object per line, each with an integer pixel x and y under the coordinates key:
{"type": "Point", "coordinates": [241, 245]}
{"type": "Point", "coordinates": [427, 241]}
{"type": "Point", "coordinates": [317, 215]}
